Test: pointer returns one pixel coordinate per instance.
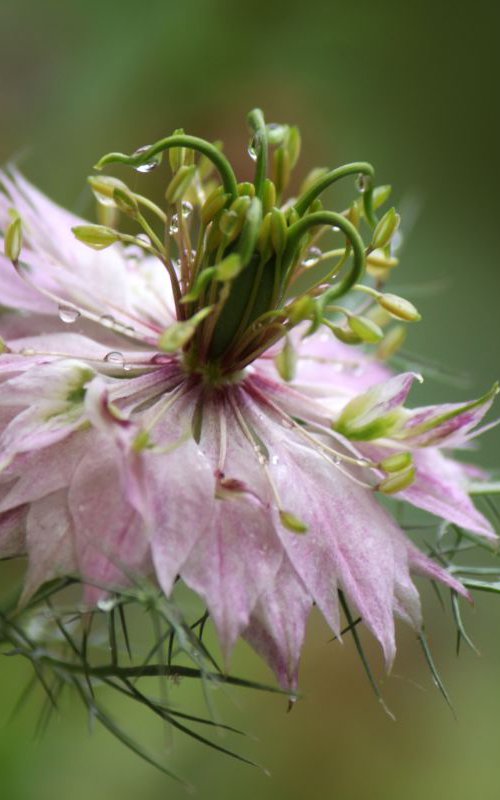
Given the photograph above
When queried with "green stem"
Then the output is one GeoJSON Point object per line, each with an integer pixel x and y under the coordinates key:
{"type": "Point", "coordinates": [178, 140]}
{"type": "Point", "coordinates": [297, 231]}
{"type": "Point", "coordinates": [319, 186]}
{"type": "Point", "coordinates": [258, 126]}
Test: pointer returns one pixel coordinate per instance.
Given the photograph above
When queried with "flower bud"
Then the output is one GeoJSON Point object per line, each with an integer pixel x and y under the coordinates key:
{"type": "Point", "coordinates": [366, 329]}
{"type": "Point", "coordinates": [385, 229]}
{"type": "Point", "coordinates": [13, 240]}
{"type": "Point", "coordinates": [399, 307]}
{"type": "Point", "coordinates": [96, 236]}
{"type": "Point", "coordinates": [180, 183]}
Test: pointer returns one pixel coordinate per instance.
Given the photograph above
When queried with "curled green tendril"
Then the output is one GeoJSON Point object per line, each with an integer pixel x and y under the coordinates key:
{"type": "Point", "coordinates": [297, 231]}
{"type": "Point", "coordinates": [179, 140]}
{"type": "Point", "coordinates": [322, 183]}
{"type": "Point", "coordinates": [261, 146]}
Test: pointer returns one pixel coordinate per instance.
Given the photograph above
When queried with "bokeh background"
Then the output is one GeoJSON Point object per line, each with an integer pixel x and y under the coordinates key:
{"type": "Point", "coordinates": [413, 88]}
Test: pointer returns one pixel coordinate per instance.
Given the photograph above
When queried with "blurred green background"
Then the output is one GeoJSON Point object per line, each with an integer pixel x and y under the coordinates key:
{"type": "Point", "coordinates": [413, 88]}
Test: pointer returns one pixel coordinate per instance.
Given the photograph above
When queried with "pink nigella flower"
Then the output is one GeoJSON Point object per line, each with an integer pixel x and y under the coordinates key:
{"type": "Point", "coordinates": [173, 412]}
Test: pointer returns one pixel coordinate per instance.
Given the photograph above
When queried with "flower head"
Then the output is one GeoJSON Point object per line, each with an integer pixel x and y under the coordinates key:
{"type": "Point", "coordinates": [189, 403]}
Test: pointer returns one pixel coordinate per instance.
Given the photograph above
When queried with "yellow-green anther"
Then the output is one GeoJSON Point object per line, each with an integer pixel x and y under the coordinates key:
{"type": "Point", "coordinates": [366, 329]}
{"type": "Point", "coordinates": [399, 307]}
{"type": "Point", "coordinates": [13, 238]}
{"type": "Point", "coordinates": [103, 187]}
{"type": "Point", "coordinates": [292, 216]}
{"type": "Point", "coordinates": [278, 230]}
{"type": "Point", "coordinates": [213, 204]}
{"type": "Point", "coordinates": [264, 240]}
{"type": "Point", "coordinates": [205, 165]}
{"type": "Point", "coordinates": [311, 178]}
{"type": "Point", "coordinates": [293, 523]}
{"type": "Point", "coordinates": [180, 333]}
{"type": "Point", "coordinates": [176, 155]}
{"type": "Point", "coordinates": [281, 170]}
{"type": "Point", "coordinates": [4, 348]}
{"type": "Point", "coordinates": [293, 145]}
{"type": "Point", "coordinates": [230, 224]}
{"type": "Point", "coordinates": [385, 229]}
{"type": "Point", "coordinates": [345, 335]}
{"type": "Point", "coordinates": [381, 195]}
{"type": "Point", "coordinates": [379, 258]}
{"type": "Point", "coordinates": [353, 215]}
{"type": "Point", "coordinates": [286, 361]}
{"type": "Point", "coordinates": [268, 196]}
{"type": "Point", "coordinates": [246, 188]}
{"type": "Point", "coordinates": [126, 202]}
{"type": "Point", "coordinates": [141, 442]}
{"type": "Point", "coordinates": [397, 482]}
{"type": "Point", "coordinates": [228, 268]}
{"type": "Point", "coordinates": [301, 309]}
{"type": "Point", "coordinates": [96, 236]}
{"type": "Point", "coordinates": [379, 315]}
{"type": "Point", "coordinates": [392, 342]}
{"type": "Point", "coordinates": [180, 183]}
{"type": "Point", "coordinates": [201, 283]}
{"type": "Point", "coordinates": [397, 463]}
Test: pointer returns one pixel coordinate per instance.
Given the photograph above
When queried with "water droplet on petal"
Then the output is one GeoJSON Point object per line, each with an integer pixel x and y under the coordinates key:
{"type": "Point", "coordinates": [114, 357]}
{"type": "Point", "coordinates": [187, 208]}
{"type": "Point", "coordinates": [174, 225]}
{"type": "Point", "coordinates": [160, 358]}
{"type": "Point", "coordinates": [107, 320]}
{"type": "Point", "coordinates": [68, 314]}
{"type": "Point", "coordinates": [149, 165]}
{"type": "Point", "coordinates": [274, 460]}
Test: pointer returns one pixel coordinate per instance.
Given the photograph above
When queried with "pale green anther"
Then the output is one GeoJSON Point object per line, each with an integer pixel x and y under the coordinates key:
{"type": "Point", "coordinates": [293, 523]}
{"type": "Point", "coordinates": [381, 195]}
{"type": "Point", "coordinates": [141, 442]}
{"type": "Point", "coordinates": [379, 258]}
{"type": "Point", "coordinates": [229, 268]}
{"type": "Point", "coordinates": [278, 230]}
{"type": "Point", "coordinates": [292, 216]}
{"type": "Point", "coordinates": [356, 426]}
{"type": "Point", "coordinates": [180, 333]}
{"type": "Point", "coordinates": [176, 155]}
{"type": "Point", "coordinates": [246, 189]}
{"type": "Point", "coordinates": [276, 134]}
{"type": "Point", "coordinates": [230, 224]}
{"type": "Point", "coordinates": [13, 238]}
{"type": "Point", "coordinates": [213, 204]}
{"type": "Point", "coordinates": [385, 229]}
{"type": "Point", "coordinates": [4, 348]}
{"type": "Point", "coordinates": [201, 283]}
{"type": "Point", "coordinates": [353, 215]}
{"type": "Point", "coordinates": [268, 196]}
{"type": "Point", "coordinates": [366, 329]}
{"type": "Point", "coordinates": [205, 165]}
{"type": "Point", "coordinates": [103, 187]}
{"type": "Point", "coordinates": [397, 463]}
{"type": "Point", "coordinates": [301, 309]}
{"type": "Point", "coordinates": [397, 482]}
{"type": "Point", "coordinates": [311, 178]}
{"type": "Point", "coordinates": [180, 183]}
{"type": "Point", "coordinates": [264, 240]}
{"type": "Point", "coordinates": [96, 236]}
{"type": "Point", "coordinates": [281, 170]}
{"type": "Point", "coordinates": [286, 361]}
{"type": "Point", "coordinates": [293, 145]}
{"type": "Point", "coordinates": [344, 335]}
{"type": "Point", "coordinates": [392, 342]}
{"type": "Point", "coordinates": [398, 307]}
{"type": "Point", "coordinates": [126, 202]}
